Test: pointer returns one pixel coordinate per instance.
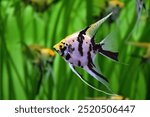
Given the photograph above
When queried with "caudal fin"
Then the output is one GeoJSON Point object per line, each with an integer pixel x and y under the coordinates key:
{"type": "Point", "coordinates": [107, 53]}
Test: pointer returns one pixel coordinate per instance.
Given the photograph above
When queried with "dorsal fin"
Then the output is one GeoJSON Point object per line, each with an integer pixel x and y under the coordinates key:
{"type": "Point", "coordinates": [92, 29]}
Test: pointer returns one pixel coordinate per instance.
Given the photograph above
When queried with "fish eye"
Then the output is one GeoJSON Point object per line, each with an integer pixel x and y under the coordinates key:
{"type": "Point", "coordinates": [60, 46]}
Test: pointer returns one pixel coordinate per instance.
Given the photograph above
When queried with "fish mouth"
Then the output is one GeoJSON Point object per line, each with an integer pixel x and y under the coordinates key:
{"type": "Point", "coordinates": [59, 52]}
{"type": "Point", "coordinates": [55, 48]}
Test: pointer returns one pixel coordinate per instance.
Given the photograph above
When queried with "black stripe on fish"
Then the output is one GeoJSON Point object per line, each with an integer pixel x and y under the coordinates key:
{"type": "Point", "coordinates": [80, 39]}
{"type": "Point", "coordinates": [90, 62]}
{"type": "Point", "coordinates": [112, 55]}
{"type": "Point", "coordinates": [70, 48]}
{"type": "Point", "coordinates": [94, 45]}
{"type": "Point", "coordinates": [79, 63]}
{"type": "Point", "coordinates": [62, 50]}
{"type": "Point", "coordinates": [98, 74]}
{"type": "Point", "coordinates": [67, 57]}
{"type": "Point", "coordinates": [92, 41]}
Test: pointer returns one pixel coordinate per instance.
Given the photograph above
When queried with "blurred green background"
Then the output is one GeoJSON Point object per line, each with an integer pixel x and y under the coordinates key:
{"type": "Point", "coordinates": [27, 22]}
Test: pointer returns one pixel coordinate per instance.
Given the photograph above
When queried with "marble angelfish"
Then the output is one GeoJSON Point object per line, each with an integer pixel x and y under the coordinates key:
{"type": "Point", "coordinates": [79, 50]}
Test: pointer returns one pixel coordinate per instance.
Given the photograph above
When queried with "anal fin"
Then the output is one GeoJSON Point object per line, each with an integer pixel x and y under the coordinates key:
{"type": "Point", "coordinates": [83, 80]}
{"type": "Point", "coordinates": [93, 72]}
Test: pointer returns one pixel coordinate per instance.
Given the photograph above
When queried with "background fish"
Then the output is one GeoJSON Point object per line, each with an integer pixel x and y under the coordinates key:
{"type": "Point", "coordinates": [109, 5]}
{"type": "Point", "coordinates": [118, 97]}
{"type": "Point", "coordinates": [79, 50]}
{"type": "Point", "coordinates": [40, 5]}
{"type": "Point", "coordinates": [42, 58]}
{"type": "Point", "coordinates": [116, 3]}
{"type": "Point", "coordinates": [140, 4]}
{"type": "Point", "coordinates": [146, 56]}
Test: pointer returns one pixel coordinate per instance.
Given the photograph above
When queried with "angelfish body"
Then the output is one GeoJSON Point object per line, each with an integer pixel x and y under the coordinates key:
{"type": "Point", "coordinates": [79, 50]}
{"type": "Point", "coordinates": [76, 53]}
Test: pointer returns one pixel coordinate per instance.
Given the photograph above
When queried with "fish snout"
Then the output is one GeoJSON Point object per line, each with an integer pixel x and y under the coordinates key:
{"type": "Point", "coordinates": [56, 47]}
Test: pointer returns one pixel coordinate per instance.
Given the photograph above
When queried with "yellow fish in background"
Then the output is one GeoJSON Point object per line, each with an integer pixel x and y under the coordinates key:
{"type": "Point", "coordinates": [108, 6]}
{"type": "Point", "coordinates": [118, 97]}
{"type": "Point", "coordinates": [116, 3]}
{"type": "Point", "coordinates": [79, 50]}
{"type": "Point", "coordinates": [115, 6]}
{"type": "Point", "coordinates": [38, 54]}
{"type": "Point", "coordinates": [40, 5]}
{"type": "Point", "coordinates": [145, 57]}
{"type": "Point", "coordinates": [41, 57]}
